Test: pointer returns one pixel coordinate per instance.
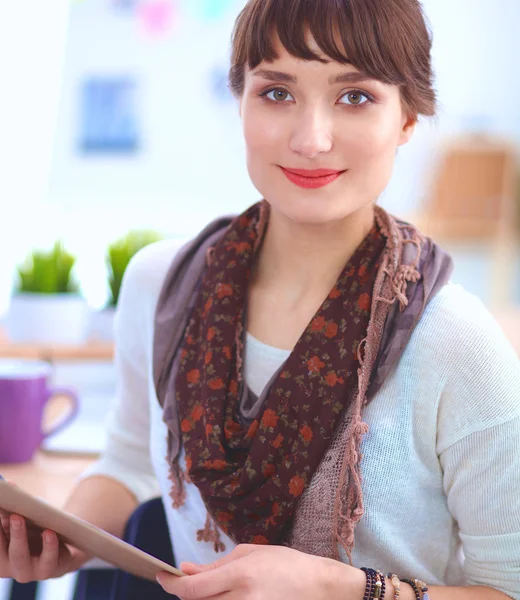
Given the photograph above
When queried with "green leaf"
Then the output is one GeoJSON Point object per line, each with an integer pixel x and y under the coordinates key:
{"type": "Point", "coordinates": [119, 254]}
{"type": "Point", "coordinates": [47, 272]}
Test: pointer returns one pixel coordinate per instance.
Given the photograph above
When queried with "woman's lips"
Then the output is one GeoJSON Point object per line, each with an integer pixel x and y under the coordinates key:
{"type": "Point", "coordinates": [314, 179]}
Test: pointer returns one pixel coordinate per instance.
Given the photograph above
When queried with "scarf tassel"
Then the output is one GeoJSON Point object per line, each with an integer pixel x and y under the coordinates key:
{"type": "Point", "coordinates": [210, 533]}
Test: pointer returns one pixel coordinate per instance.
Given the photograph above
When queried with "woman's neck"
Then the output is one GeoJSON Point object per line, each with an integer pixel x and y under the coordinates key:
{"type": "Point", "coordinates": [300, 260]}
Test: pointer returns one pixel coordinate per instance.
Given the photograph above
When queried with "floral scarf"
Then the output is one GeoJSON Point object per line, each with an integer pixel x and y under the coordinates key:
{"type": "Point", "coordinates": [251, 476]}
{"type": "Point", "coordinates": [251, 473]}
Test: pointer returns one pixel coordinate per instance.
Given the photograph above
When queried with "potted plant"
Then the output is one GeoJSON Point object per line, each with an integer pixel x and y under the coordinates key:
{"type": "Point", "coordinates": [119, 254]}
{"type": "Point", "coordinates": [46, 306]}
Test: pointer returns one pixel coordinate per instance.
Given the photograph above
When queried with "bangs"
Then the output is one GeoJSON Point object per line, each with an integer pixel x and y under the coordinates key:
{"type": "Point", "coordinates": [360, 33]}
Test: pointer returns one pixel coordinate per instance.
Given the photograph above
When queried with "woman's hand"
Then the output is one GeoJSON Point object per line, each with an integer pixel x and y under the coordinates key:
{"type": "Point", "coordinates": [250, 572]}
{"type": "Point", "coordinates": [28, 553]}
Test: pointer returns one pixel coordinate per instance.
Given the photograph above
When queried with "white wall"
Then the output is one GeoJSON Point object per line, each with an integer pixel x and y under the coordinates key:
{"type": "Point", "coordinates": [192, 146]}
{"type": "Point", "coordinates": [32, 44]}
{"type": "Point", "coordinates": [192, 165]}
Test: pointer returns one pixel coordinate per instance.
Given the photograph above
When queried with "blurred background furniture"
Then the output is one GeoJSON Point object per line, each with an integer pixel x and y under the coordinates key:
{"type": "Point", "coordinates": [88, 368]}
{"type": "Point", "coordinates": [51, 477]}
{"type": "Point", "coordinates": [91, 351]}
{"type": "Point", "coordinates": [473, 201]}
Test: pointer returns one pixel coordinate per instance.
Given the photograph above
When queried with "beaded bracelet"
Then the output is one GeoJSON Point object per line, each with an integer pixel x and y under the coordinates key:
{"type": "Point", "coordinates": [396, 583]}
{"type": "Point", "coordinates": [376, 585]}
{"type": "Point", "coordinates": [383, 584]}
{"type": "Point", "coordinates": [412, 583]}
{"type": "Point", "coordinates": [424, 589]}
{"type": "Point", "coordinates": [416, 584]}
{"type": "Point", "coordinates": [369, 589]}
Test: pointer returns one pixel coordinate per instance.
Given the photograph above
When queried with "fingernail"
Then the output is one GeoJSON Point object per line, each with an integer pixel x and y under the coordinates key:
{"type": "Point", "coordinates": [16, 524]}
{"type": "Point", "coordinates": [48, 537]}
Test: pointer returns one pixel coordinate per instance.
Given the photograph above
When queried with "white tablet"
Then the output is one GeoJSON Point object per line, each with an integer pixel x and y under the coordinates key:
{"type": "Point", "coordinates": [82, 535]}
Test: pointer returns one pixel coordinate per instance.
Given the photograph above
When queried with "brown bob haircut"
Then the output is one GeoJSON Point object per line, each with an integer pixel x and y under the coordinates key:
{"type": "Point", "coordinates": [387, 39]}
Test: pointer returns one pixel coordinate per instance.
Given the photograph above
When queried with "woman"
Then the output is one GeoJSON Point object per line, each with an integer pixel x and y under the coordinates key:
{"type": "Point", "coordinates": [326, 399]}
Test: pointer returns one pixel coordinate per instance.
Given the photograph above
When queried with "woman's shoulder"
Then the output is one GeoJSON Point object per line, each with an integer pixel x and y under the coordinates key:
{"type": "Point", "coordinates": [458, 318]}
{"type": "Point", "coordinates": [459, 338]}
{"type": "Point", "coordinates": [140, 290]}
{"type": "Point", "coordinates": [147, 271]}
{"type": "Point", "coordinates": [148, 268]}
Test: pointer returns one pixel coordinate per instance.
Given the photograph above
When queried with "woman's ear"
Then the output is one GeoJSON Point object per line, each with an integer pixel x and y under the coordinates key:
{"type": "Point", "coordinates": [407, 129]}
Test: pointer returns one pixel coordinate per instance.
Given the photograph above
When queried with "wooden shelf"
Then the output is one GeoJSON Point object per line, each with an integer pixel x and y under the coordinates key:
{"type": "Point", "coordinates": [51, 477]}
{"type": "Point", "coordinates": [90, 351]}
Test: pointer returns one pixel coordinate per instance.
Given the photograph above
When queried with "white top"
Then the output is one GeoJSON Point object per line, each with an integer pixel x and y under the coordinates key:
{"type": "Point", "coordinates": [441, 461]}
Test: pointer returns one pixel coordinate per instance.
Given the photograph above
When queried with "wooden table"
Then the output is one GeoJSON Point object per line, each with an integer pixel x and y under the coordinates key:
{"type": "Point", "coordinates": [49, 476]}
{"type": "Point", "coordinates": [91, 351]}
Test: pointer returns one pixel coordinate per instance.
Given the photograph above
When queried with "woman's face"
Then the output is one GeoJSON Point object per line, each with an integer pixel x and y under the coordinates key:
{"type": "Point", "coordinates": [300, 115]}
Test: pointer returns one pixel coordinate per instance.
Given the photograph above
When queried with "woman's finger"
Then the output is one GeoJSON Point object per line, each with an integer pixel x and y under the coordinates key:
{"type": "Point", "coordinates": [19, 554]}
{"type": "Point", "coordinates": [5, 524]}
{"type": "Point", "coordinates": [4, 545]}
{"type": "Point", "coordinates": [48, 561]}
{"type": "Point", "coordinates": [191, 568]}
{"type": "Point", "coordinates": [208, 584]}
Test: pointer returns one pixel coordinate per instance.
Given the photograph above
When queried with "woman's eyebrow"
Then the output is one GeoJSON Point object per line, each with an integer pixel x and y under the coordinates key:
{"type": "Point", "coordinates": [280, 76]}
{"type": "Point", "coordinates": [350, 77]}
{"type": "Point", "coordinates": [275, 76]}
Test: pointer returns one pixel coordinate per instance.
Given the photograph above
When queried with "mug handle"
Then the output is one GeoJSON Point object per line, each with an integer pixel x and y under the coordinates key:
{"type": "Point", "coordinates": [74, 408]}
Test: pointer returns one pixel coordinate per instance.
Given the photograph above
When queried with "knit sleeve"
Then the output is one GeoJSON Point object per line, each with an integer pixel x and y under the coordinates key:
{"type": "Point", "coordinates": [479, 446]}
{"type": "Point", "coordinates": [126, 457]}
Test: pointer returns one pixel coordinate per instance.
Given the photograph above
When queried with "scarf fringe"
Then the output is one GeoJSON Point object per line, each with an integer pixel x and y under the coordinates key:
{"type": "Point", "coordinates": [392, 281]}
{"type": "Point", "coordinates": [178, 478]}
{"type": "Point", "coordinates": [211, 533]}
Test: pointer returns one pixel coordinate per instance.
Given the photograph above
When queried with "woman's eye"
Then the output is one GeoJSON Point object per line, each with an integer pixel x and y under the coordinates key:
{"type": "Point", "coordinates": [278, 95]}
{"type": "Point", "coordinates": [355, 98]}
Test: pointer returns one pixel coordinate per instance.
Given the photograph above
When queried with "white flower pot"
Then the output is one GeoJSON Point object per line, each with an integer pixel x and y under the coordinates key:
{"type": "Point", "coordinates": [48, 319]}
{"type": "Point", "coordinates": [102, 324]}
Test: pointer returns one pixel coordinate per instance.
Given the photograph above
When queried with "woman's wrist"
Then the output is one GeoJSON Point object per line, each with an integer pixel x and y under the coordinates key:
{"type": "Point", "coordinates": [344, 581]}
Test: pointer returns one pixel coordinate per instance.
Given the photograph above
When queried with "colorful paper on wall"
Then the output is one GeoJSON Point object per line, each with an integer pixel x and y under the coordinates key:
{"type": "Point", "coordinates": [209, 10]}
{"type": "Point", "coordinates": [156, 16]}
{"type": "Point", "coordinates": [109, 121]}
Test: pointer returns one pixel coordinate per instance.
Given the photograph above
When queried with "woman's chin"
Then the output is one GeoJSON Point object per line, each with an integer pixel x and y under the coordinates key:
{"type": "Point", "coordinates": [315, 212]}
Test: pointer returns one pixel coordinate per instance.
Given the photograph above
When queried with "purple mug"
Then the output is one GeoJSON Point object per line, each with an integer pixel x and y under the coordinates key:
{"type": "Point", "coordinates": [24, 393]}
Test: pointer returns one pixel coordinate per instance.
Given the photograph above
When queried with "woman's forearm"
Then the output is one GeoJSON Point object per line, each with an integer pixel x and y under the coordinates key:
{"type": "Point", "coordinates": [104, 502]}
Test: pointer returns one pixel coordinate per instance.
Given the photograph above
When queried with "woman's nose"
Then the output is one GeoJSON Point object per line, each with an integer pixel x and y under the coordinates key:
{"type": "Point", "coordinates": [312, 134]}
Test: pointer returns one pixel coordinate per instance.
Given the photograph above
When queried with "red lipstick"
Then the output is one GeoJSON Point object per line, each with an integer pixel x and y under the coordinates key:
{"type": "Point", "coordinates": [311, 179]}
